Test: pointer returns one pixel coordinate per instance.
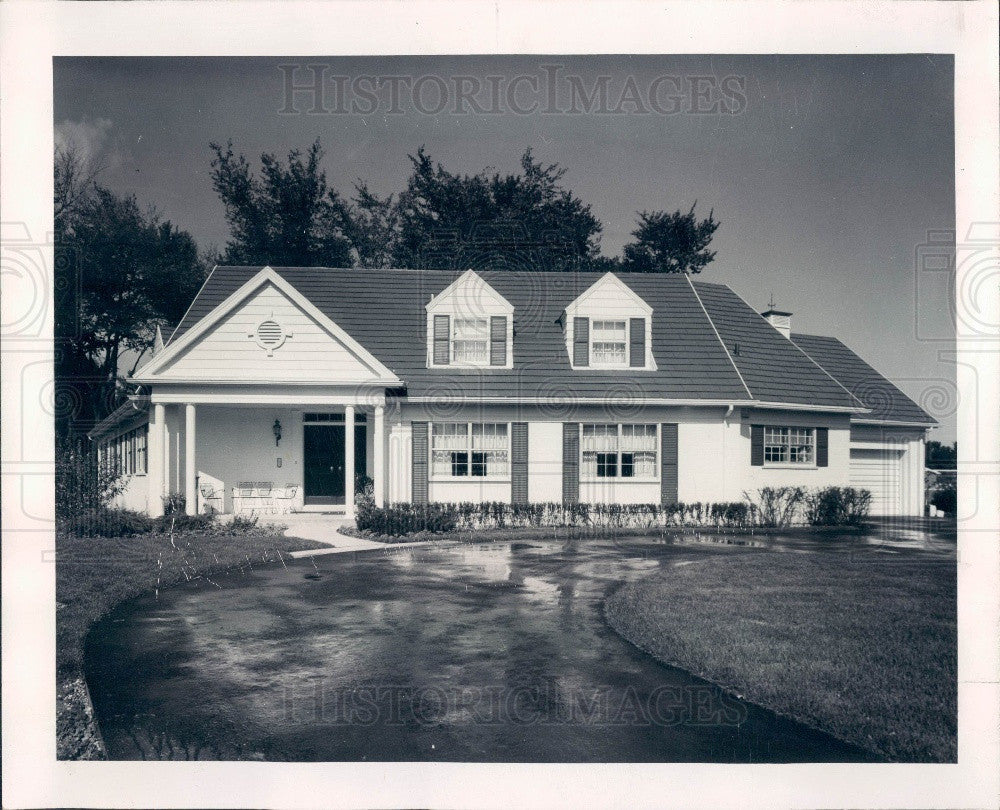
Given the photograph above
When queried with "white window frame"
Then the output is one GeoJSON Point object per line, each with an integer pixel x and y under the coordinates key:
{"type": "Point", "coordinates": [469, 449]}
{"type": "Point", "coordinates": [626, 342]}
{"type": "Point", "coordinates": [786, 434]}
{"type": "Point", "coordinates": [585, 477]}
{"type": "Point", "coordinates": [453, 339]}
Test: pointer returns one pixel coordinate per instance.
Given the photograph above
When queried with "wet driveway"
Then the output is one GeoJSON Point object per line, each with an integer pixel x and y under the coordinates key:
{"type": "Point", "coordinates": [492, 652]}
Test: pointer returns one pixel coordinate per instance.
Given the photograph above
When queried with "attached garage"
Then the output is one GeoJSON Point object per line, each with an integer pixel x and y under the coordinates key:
{"type": "Point", "coordinates": [880, 471]}
{"type": "Point", "coordinates": [889, 462]}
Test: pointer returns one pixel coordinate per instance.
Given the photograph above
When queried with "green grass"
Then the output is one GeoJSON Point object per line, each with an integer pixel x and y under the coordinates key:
{"type": "Point", "coordinates": [861, 647]}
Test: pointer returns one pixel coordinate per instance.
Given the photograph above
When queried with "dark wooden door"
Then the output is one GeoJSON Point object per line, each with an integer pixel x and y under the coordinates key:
{"type": "Point", "coordinates": [323, 464]}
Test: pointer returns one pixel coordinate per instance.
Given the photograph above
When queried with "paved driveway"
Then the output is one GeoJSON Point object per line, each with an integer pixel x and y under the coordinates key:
{"type": "Point", "coordinates": [492, 652]}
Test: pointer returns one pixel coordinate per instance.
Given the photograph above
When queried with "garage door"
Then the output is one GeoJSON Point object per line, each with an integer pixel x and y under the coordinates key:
{"type": "Point", "coordinates": [879, 471]}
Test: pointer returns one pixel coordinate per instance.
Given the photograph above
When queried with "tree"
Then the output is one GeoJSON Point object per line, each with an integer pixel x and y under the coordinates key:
{"type": "Point", "coordinates": [941, 456]}
{"type": "Point", "coordinates": [518, 221]}
{"type": "Point", "coordinates": [287, 216]}
{"type": "Point", "coordinates": [122, 273]}
{"type": "Point", "coordinates": [670, 243]}
{"type": "Point", "coordinates": [373, 228]}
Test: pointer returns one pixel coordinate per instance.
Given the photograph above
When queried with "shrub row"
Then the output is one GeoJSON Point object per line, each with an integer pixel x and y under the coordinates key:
{"type": "Point", "coordinates": [113, 522]}
{"type": "Point", "coordinates": [768, 507]}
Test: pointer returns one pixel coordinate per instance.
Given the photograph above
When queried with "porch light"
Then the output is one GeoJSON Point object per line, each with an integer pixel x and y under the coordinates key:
{"type": "Point", "coordinates": [277, 432]}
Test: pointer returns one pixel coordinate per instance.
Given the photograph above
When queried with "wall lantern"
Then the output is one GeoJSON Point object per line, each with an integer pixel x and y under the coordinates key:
{"type": "Point", "coordinates": [277, 432]}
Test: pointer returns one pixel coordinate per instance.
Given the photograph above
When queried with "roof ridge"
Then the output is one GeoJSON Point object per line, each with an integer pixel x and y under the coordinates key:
{"type": "Point", "coordinates": [717, 335]}
{"type": "Point", "coordinates": [805, 354]}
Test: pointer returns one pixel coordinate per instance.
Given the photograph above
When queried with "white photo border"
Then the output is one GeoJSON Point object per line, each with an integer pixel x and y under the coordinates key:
{"type": "Point", "coordinates": [31, 33]}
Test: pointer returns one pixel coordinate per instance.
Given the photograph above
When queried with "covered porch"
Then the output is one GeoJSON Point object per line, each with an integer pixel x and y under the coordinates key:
{"type": "Point", "coordinates": [265, 453]}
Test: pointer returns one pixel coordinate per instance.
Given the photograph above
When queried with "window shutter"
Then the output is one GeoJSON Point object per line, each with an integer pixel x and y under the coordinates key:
{"type": "Point", "coordinates": [419, 473]}
{"type": "Point", "coordinates": [442, 350]}
{"type": "Point", "coordinates": [668, 463]}
{"type": "Point", "coordinates": [637, 342]}
{"type": "Point", "coordinates": [581, 342]}
{"type": "Point", "coordinates": [519, 462]}
{"type": "Point", "coordinates": [757, 445]}
{"type": "Point", "coordinates": [498, 340]}
{"type": "Point", "coordinates": [571, 462]}
{"type": "Point", "coordinates": [822, 447]}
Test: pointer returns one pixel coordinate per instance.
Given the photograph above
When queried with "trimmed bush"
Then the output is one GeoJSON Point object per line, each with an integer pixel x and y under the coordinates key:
{"type": "Point", "coordinates": [405, 518]}
{"type": "Point", "coordinates": [402, 519]}
{"type": "Point", "coordinates": [838, 506]}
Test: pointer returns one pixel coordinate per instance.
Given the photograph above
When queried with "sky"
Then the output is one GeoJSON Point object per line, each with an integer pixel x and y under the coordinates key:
{"type": "Point", "coordinates": [830, 175]}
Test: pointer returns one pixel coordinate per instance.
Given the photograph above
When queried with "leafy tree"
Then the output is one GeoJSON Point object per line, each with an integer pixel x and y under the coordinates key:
{"type": "Point", "coordinates": [120, 273]}
{"type": "Point", "coordinates": [288, 215]}
{"type": "Point", "coordinates": [670, 243]}
{"type": "Point", "coordinates": [520, 221]}
{"type": "Point", "coordinates": [941, 456]}
{"type": "Point", "coordinates": [373, 228]}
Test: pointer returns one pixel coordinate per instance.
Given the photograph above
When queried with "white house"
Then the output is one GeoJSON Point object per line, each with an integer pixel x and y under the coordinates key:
{"type": "Point", "coordinates": [279, 384]}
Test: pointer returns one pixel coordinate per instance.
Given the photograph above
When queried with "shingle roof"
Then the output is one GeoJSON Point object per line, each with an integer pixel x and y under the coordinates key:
{"type": "Point", "coordinates": [695, 329]}
{"type": "Point", "coordinates": [774, 368]}
{"type": "Point", "coordinates": [886, 401]}
{"type": "Point", "coordinates": [134, 407]}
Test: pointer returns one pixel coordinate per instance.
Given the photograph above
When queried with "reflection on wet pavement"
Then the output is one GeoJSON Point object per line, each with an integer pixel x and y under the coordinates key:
{"type": "Point", "coordinates": [488, 652]}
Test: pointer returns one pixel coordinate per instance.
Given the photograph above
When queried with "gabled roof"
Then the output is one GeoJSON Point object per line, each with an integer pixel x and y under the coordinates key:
{"type": "Point", "coordinates": [605, 284]}
{"type": "Point", "coordinates": [695, 332]}
{"type": "Point", "coordinates": [886, 402]}
{"type": "Point", "coordinates": [260, 278]}
{"type": "Point", "coordinates": [471, 293]}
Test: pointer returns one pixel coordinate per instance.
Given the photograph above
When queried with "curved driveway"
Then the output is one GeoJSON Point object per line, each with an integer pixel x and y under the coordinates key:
{"type": "Point", "coordinates": [492, 652]}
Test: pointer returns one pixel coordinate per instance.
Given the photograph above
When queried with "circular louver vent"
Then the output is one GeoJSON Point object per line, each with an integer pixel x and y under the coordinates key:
{"type": "Point", "coordinates": [269, 333]}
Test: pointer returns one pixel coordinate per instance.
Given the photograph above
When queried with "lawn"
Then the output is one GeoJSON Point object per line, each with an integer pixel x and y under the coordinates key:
{"type": "Point", "coordinates": [862, 647]}
{"type": "Point", "coordinates": [94, 574]}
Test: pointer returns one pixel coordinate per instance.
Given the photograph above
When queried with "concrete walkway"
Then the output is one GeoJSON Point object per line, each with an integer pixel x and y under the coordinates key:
{"type": "Point", "coordinates": [325, 528]}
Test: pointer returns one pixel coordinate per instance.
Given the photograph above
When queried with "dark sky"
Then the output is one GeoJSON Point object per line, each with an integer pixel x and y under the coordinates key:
{"type": "Point", "coordinates": [826, 172]}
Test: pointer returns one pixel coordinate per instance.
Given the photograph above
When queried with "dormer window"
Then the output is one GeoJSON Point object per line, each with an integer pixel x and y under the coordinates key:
{"type": "Point", "coordinates": [608, 346]}
{"type": "Point", "coordinates": [470, 340]}
{"type": "Point", "coordinates": [469, 324]}
{"type": "Point", "coordinates": [609, 326]}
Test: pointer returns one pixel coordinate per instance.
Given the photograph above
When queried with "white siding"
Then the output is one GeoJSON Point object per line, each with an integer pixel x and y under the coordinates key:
{"type": "Point", "coordinates": [474, 491]}
{"type": "Point", "coordinates": [133, 496]}
{"type": "Point", "coordinates": [227, 352]}
{"type": "Point", "coordinates": [545, 462]}
{"type": "Point", "coordinates": [713, 453]}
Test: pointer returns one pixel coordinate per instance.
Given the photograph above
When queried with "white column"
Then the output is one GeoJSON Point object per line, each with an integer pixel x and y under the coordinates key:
{"type": "Point", "coordinates": [378, 469]}
{"type": "Point", "coordinates": [156, 457]}
{"type": "Point", "coordinates": [349, 460]}
{"type": "Point", "coordinates": [190, 466]}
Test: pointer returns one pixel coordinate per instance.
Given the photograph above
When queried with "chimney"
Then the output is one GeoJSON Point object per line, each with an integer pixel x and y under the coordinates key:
{"type": "Point", "coordinates": [782, 321]}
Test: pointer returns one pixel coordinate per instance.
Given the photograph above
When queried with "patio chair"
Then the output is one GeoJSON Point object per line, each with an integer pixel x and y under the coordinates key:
{"type": "Point", "coordinates": [212, 498]}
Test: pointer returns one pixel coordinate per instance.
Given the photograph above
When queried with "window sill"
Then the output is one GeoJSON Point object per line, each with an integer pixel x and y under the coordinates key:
{"type": "Point", "coordinates": [787, 466]}
{"type": "Point", "coordinates": [468, 366]}
{"type": "Point", "coordinates": [468, 479]}
{"type": "Point", "coordinates": [620, 480]}
{"type": "Point", "coordinates": [612, 368]}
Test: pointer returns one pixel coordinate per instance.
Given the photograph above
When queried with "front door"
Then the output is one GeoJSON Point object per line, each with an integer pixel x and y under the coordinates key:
{"type": "Point", "coordinates": [323, 464]}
